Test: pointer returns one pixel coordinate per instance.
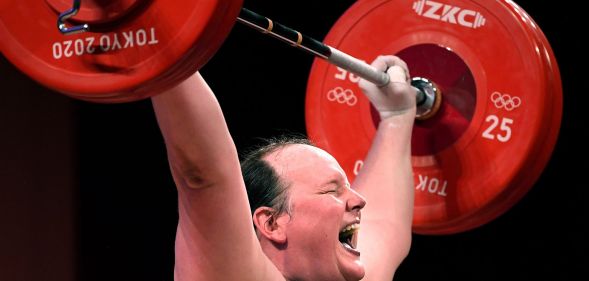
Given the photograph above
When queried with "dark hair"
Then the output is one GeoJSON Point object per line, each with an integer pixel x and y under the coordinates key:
{"type": "Point", "coordinates": [264, 186]}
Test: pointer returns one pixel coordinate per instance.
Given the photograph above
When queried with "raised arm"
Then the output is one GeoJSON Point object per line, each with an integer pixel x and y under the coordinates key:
{"type": "Point", "coordinates": [215, 239]}
{"type": "Point", "coordinates": [386, 178]}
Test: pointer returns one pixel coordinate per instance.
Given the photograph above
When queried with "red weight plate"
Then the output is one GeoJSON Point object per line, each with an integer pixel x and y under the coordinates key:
{"type": "Point", "coordinates": [143, 52]}
{"type": "Point", "coordinates": [500, 114]}
{"type": "Point", "coordinates": [546, 142]}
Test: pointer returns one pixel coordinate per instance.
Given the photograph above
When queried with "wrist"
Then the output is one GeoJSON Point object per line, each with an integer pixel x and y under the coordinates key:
{"type": "Point", "coordinates": [398, 114]}
{"type": "Point", "coordinates": [397, 130]}
{"type": "Point", "coordinates": [400, 122]}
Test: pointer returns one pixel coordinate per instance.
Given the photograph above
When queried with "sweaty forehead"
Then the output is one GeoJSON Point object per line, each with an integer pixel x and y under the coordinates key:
{"type": "Point", "coordinates": [296, 159]}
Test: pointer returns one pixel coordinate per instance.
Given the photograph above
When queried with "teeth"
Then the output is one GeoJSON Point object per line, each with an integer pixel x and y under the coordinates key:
{"type": "Point", "coordinates": [348, 246]}
{"type": "Point", "coordinates": [351, 227]}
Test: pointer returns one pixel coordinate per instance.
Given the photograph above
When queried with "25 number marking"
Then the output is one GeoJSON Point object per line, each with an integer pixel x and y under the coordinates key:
{"type": "Point", "coordinates": [503, 134]}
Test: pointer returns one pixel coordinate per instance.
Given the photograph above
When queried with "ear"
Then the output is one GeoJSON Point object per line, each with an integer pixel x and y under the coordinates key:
{"type": "Point", "coordinates": [270, 224]}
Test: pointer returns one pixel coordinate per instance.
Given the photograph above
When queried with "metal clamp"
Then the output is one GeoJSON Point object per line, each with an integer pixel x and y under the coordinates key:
{"type": "Point", "coordinates": [429, 98]}
{"type": "Point", "coordinates": [68, 14]}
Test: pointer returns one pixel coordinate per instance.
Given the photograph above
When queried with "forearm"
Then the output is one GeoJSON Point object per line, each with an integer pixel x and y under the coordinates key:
{"type": "Point", "coordinates": [198, 142]}
{"type": "Point", "coordinates": [386, 181]}
{"type": "Point", "coordinates": [386, 178]}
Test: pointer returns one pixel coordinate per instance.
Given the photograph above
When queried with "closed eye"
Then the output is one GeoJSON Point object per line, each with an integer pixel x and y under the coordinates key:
{"type": "Point", "coordinates": [333, 187]}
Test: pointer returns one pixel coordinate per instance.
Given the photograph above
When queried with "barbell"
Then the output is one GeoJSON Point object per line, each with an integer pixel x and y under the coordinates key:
{"type": "Point", "coordinates": [476, 152]}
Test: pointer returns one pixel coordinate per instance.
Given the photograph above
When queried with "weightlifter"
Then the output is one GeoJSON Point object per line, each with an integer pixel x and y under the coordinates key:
{"type": "Point", "coordinates": [309, 222]}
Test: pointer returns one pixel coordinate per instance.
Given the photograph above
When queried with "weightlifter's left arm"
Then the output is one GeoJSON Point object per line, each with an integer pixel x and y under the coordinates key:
{"type": "Point", "coordinates": [386, 179]}
{"type": "Point", "coordinates": [215, 239]}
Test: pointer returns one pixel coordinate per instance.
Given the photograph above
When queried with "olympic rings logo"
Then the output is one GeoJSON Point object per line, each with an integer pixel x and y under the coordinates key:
{"type": "Point", "coordinates": [342, 96]}
{"type": "Point", "coordinates": [505, 101]}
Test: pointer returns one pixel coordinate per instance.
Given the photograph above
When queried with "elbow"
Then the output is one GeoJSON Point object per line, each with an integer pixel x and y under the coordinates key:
{"type": "Point", "coordinates": [401, 241]}
{"type": "Point", "coordinates": [405, 244]}
{"type": "Point", "coordinates": [190, 173]}
{"type": "Point", "coordinates": [198, 177]}
{"type": "Point", "coordinates": [193, 179]}
{"type": "Point", "coordinates": [201, 173]}
{"type": "Point", "coordinates": [188, 176]}
{"type": "Point", "coordinates": [404, 238]}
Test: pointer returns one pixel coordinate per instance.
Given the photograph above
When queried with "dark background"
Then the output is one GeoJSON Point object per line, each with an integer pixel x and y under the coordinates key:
{"type": "Point", "coordinates": [85, 192]}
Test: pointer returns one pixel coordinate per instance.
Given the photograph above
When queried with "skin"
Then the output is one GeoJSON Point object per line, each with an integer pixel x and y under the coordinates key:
{"type": "Point", "coordinates": [215, 239]}
{"type": "Point", "coordinates": [322, 204]}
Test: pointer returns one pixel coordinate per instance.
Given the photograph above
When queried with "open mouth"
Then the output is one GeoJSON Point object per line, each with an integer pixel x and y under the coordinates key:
{"type": "Point", "coordinates": [347, 237]}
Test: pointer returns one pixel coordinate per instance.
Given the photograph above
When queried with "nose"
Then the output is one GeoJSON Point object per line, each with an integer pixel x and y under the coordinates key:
{"type": "Point", "coordinates": [355, 200]}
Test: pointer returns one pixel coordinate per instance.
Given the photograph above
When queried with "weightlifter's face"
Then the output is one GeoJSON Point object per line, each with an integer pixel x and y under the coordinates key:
{"type": "Point", "coordinates": [325, 215]}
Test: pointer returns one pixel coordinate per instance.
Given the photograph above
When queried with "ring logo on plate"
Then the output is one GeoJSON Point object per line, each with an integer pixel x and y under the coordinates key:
{"type": "Point", "coordinates": [339, 95]}
{"type": "Point", "coordinates": [505, 101]}
{"type": "Point", "coordinates": [448, 13]}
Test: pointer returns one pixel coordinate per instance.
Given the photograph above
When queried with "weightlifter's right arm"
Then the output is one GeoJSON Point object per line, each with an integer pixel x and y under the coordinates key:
{"type": "Point", "coordinates": [215, 239]}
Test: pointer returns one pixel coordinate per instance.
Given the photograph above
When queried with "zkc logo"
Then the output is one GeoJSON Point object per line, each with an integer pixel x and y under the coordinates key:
{"type": "Point", "coordinates": [448, 13]}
